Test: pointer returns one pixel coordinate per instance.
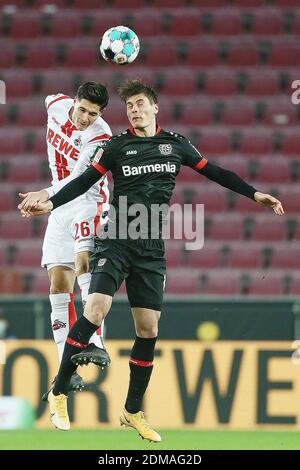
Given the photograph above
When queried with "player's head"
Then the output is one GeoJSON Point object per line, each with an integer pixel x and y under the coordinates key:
{"type": "Point", "coordinates": [90, 101]}
{"type": "Point", "coordinates": [141, 103]}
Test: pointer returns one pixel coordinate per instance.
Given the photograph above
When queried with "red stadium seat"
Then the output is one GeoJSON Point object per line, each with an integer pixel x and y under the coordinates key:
{"type": "Point", "coordinates": [290, 199]}
{"type": "Point", "coordinates": [266, 284]}
{"type": "Point", "coordinates": [182, 282]}
{"type": "Point", "coordinates": [286, 257]}
{"type": "Point", "coordinates": [244, 257]}
{"type": "Point", "coordinates": [7, 200]}
{"type": "Point", "coordinates": [7, 56]}
{"type": "Point", "coordinates": [40, 283]}
{"type": "Point", "coordinates": [248, 3]}
{"type": "Point", "coordinates": [286, 3]}
{"type": "Point", "coordinates": [169, 3]}
{"type": "Point", "coordinates": [209, 3]}
{"type": "Point", "coordinates": [262, 83]}
{"type": "Point", "coordinates": [269, 230]}
{"type": "Point", "coordinates": [32, 113]}
{"type": "Point", "coordinates": [280, 113]}
{"type": "Point", "coordinates": [174, 253]}
{"type": "Point", "coordinates": [244, 204]}
{"type": "Point", "coordinates": [82, 56]}
{"type": "Point", "coordinates": [243, 55]}
{"type": "Point", "coordinates": [207, 257]}
{"type": "Point", "coordinates": [146, 23]}
{"type": "Point", "coordinates": [66, 25]}
{"type": "Point", "coordinates": [256, 142]}
{"type": "Point", "coordinates": [115, 113]}
{"type": "Point", "coordinates": [197, 113]}
{"type": "Point", "coordinates": [267, 21]}
{"type": "Point", "coordinates": [213, 198]}
{"type": "Point", "coordinates": [155, 57]}
{"type": "Point", "coordinates": [16, 88]}
{"type": "Point", "coordinates": [219, 83]}
{"type": "Point", "coordinates": [179, 83]}
{"type": "Point", "coordinates": [24, 172]}
{"type": "Point", "coordinates": [186, 25]}
{"type": "Point", "coordinates": [25, 25]}
{"type": "Point", "coordinates": [119, 4]}
{"type": "Point", "coordinates": [54, 80]}
{"type": "Point", "coordinates": [225, 227]}
{"type": "Point", "coordinates": [215, 142]}
{"type": "Point", "coordinates": [226, 22]}
{"type": "Point", "coordinates": [11, 282]}
{"type": "Point", "coordinates": [12, 141]}
{"type": "Point", "coordinates": [274, 170]}
{"type": "Point", "coordinates": [36, 60]}
{"type": "Point", "coordinates": [284, 55]}
{"type": "Point", "coordinates": [39, 145]}
{"type": "Point", "coordinates": [222, 283]}
{"type": "Point", "coordinates": [42, 3]}
{"type": "Point", "coordinates": [202, 55]}
{"type": "Point", "coordinates": [15, 227]}
{"type": "Point", "coordinates": [29, 254]}
{"type": "Point", "coordinates": [89, 4]}
{"type": "Point", "coordinates": [239, 113]}
{"type": "Point", "coordinates": [104, 19]}
{"type": "Point", "coordinates": [291, 143]}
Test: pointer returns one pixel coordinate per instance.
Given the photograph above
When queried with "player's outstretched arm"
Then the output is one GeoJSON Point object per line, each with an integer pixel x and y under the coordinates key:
{"type": "Point", "coordinates": [71, 191]}
{"type": "Point", "coordinates": [232, 181]}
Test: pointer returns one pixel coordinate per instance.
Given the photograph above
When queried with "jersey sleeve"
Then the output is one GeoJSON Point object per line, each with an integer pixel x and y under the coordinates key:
{"type": "Point", "coordinates": [105, 156]}
{"type": "Point", "coordinates": [191, 156]}
{"type": "Point", "coordinates": [53, 99]}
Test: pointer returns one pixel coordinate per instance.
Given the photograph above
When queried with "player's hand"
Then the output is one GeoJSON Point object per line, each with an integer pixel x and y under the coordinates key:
{"type": "Point", "coordinates": [30, 200]}
{"type": "Point", "coordinates": [269, 201]}
{"type": "Point", "coordinates": [39, 209]}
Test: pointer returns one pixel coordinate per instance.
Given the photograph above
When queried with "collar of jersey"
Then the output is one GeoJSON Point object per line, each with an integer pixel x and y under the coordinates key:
{"type": "Point", "coordinates": [158, 129]}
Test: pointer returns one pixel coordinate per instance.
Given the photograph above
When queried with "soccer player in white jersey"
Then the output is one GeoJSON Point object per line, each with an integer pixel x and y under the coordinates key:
{"type": "Point", "coordinates": [74, 133]}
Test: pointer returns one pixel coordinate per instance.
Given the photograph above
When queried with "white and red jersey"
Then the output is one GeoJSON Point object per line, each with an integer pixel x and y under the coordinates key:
{"type": "Point", "coordinates": [71, 151]}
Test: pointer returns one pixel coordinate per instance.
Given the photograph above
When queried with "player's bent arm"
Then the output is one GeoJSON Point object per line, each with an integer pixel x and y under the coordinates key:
{"type": "Point", "coordinates": [76, 187]}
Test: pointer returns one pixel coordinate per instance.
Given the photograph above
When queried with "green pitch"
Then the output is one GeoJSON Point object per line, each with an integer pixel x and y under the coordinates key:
{"type": "Point", "coordinates": [128, 439]}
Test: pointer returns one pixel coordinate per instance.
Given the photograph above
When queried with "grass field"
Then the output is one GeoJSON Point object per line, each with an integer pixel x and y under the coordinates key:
{"type": "Point", "coordinates": [128, 439]}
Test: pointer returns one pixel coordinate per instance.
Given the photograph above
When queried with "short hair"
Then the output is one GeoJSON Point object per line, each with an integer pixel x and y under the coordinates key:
{"type": "Point", "coordinates": [135, 87]}
{"type": "Point", "coordinates": [94, 92]}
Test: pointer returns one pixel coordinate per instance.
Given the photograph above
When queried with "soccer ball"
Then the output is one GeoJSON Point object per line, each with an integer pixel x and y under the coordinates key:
{"type": "Point", "coordinates": [120, 45]}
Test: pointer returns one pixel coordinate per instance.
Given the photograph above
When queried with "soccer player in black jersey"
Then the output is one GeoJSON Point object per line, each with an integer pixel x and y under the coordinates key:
{"type": "Point", "coordinates": [144, 162]}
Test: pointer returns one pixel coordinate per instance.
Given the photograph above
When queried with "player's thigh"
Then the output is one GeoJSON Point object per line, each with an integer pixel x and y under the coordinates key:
{"type": "Point", "coordinates": [108, 266]}
{"type": "Point", "coordinates": [145, 289]}
{"type": "Point", "coordinates": [82, 262]}
{"type": "Point", "coordinates": [62, 279]}
{"type": "Point", "coordinates": [146, 322]}
{"type": "Point", "coordinates": [58, 244]}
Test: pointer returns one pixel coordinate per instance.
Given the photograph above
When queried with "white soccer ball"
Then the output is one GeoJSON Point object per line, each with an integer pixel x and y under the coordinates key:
{"type": "Point", "coordinates": [120, 45]}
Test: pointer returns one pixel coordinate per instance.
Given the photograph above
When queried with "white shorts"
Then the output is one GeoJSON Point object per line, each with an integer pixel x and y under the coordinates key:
{"type": "Point", "coordinates": [70, 230]}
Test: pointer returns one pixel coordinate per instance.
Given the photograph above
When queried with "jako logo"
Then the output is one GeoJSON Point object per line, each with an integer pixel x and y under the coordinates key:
{"type": "Point", "coordinates": [131, 152]}
{"type": "Point", "coordinates": [157, 168]}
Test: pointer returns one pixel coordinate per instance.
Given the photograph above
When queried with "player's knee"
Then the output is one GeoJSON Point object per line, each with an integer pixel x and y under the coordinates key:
{"type": "Point", "coordinates": [96, 309]}
{"type": "Point", "coordinates": [59, 289]}
{"type": "Point", "coordinates": [81, 266]}
{"type": "Point", "coordinates": [147, 332]}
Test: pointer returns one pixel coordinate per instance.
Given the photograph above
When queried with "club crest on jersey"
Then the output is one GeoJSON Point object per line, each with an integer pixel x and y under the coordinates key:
{"type": "Point", "coordinates": [165, 149]}
{"type": "Point", "coordinates": [102, 262]}
{"type": "Point", "coordinates": [78, 142]}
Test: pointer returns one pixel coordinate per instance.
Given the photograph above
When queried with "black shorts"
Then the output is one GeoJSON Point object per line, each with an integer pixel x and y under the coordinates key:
{"type": "Point", "coordinates": [141, 263]}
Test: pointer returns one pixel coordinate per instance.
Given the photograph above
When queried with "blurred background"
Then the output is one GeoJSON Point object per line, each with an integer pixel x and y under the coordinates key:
{"type": "Point", "coordinates": [224, 71]}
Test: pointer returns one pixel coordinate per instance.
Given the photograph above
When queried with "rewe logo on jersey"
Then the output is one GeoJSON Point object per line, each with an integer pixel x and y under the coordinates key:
{"type": "Point", "coordinates": [155, 168]}
{"type": "Point", "coordinates": [62, 145]}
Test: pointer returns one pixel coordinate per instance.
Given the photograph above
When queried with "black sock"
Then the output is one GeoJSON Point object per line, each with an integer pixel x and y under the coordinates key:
{"type": "Point", "coordinates": [78, 339]}
{"type": "Point", "coordinates": [141, 365]}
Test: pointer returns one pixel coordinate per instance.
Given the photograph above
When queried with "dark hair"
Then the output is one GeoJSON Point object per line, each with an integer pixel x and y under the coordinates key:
{"type": "Point", "coordinates": [135, 87]}
{"type": "Point", "coordinates": [94, 92]}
